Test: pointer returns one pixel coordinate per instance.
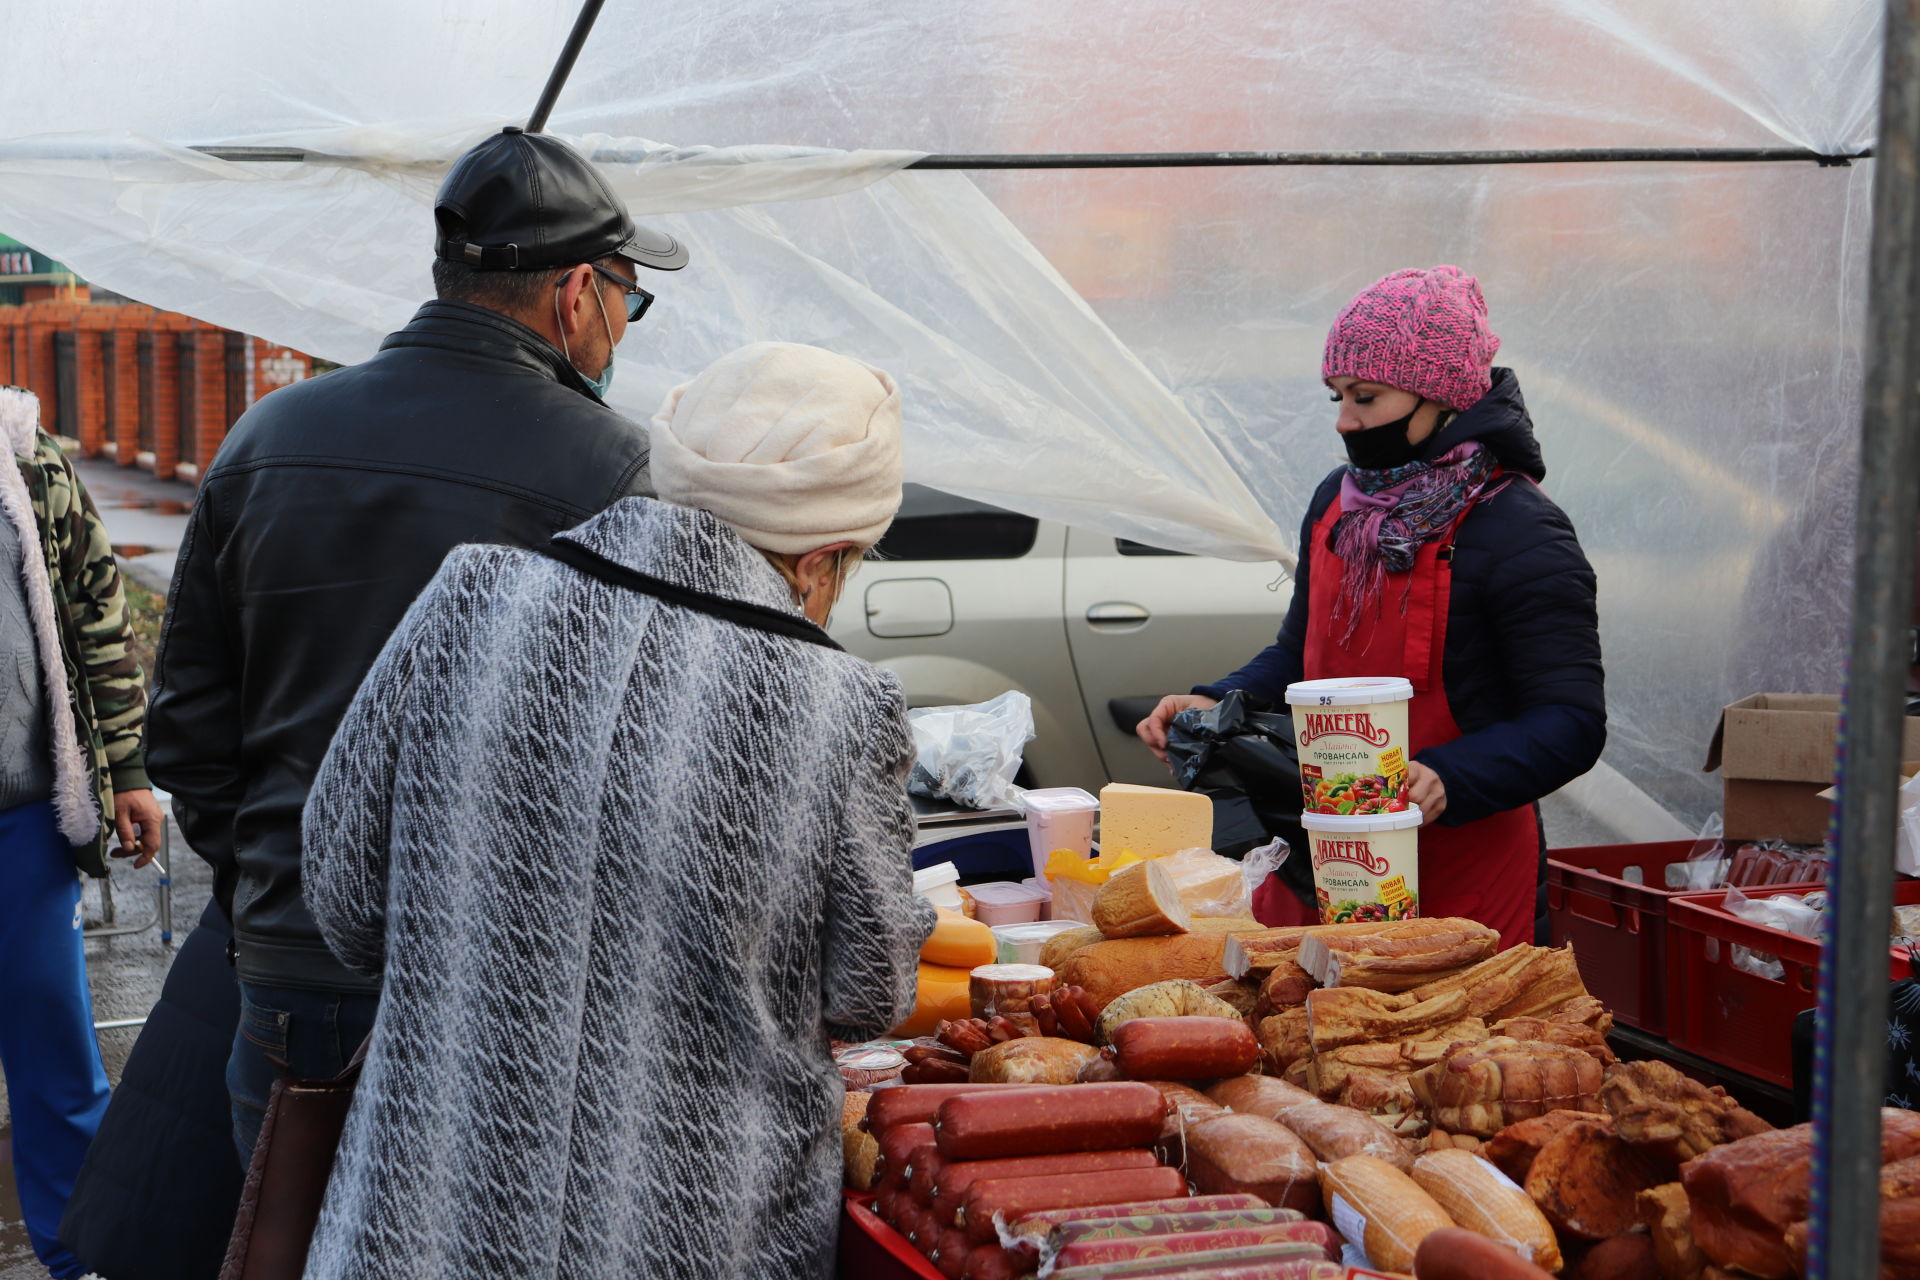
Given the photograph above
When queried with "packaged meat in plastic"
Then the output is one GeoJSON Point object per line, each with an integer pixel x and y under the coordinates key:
{"type": "Point", "coordinates": [1172, 1223]}
{"type": "Point", "coordinates": [1032, 1060]}
{"type": "Point", "coordinates": [1336, 1132]}
{"type": "Point", "coordinates": [1254, 1155]}
{"type": "Point", "coordinates": [1314, 1238]}
{"type": "Point", "coordinates": [862, 1066]}
{"type": "Point", "coordinates": [1255, 1262]}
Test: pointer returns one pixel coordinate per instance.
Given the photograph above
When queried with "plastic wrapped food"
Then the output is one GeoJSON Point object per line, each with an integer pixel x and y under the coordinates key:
{"type": "Point", "coordinates": [862, 1066]}
{"type": "Point", "coordinates": [1250, 1154]}
{"type": "Point", "coordinates": [1286, 1240]}
{"type": "Point", "coordinates": [969, 754]}
{"type": "Point", "coordinates": [1171, 1224]}
{"type": "Point", "coordinates": [1480, 1198]}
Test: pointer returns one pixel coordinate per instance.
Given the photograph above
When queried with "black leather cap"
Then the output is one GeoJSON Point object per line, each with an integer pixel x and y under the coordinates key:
{"type": "Point", "coordinates": [529, 202]}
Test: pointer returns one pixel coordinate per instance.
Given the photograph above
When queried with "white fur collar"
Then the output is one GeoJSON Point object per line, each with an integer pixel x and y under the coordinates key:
{"type": "Point", "coordinates": [19, 419]}
{"type": "Point", "coordinates": [75, 805]}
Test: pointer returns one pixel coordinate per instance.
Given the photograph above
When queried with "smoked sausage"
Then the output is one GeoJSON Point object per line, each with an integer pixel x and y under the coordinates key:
{"type": "Point", "coordinates": [1014, 1198]}
{"type": "Point", "coordinates": [990, 1262]}
{"type": "Point", "coordinates": [1259, 1095]}
{"type": "Point", "coordinates": [917, 1103]}
{"type": "Point", "coordinates": [1313, 1240]}
{"type": "Point", "coordinates": [896, 1152]}
{"type": "Point", "coordinates": [924, 1167]}
{"type": "Point", "coordinates": [1184, 1048]}
{"type": "Point", "coordinates": [1049, 1120]}
{"type": "Point", "coordinates": [957, 1177]}
{"type": "Point", "coordinates": [1453, 1254]}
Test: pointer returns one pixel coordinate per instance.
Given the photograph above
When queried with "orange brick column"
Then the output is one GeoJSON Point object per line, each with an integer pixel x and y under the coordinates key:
{"type": "Point", "coordinates": [166, 406]}
{"type": "Point", "coordinates": [91, 379]}
{"type": "Point", "coordinates": [42, 319]}
{"type": "Point", "coordinates": [210, 396]}
{"type": "Point", "coordinates": [9, 327]}
{"type": "Point", "coordinates": [124, 373]}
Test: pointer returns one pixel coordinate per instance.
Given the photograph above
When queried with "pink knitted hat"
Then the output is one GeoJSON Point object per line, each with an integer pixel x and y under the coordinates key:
{"type": "Point", "coordinates": [1422, 331]}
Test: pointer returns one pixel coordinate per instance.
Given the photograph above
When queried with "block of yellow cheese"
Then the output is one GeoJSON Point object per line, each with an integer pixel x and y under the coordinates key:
{"type": "Point", "coordinates": [1151, 821]}
{"type": "Point", "coordinates": [958, 942]}
{"type": "Point", "coordinates": [944, 995]}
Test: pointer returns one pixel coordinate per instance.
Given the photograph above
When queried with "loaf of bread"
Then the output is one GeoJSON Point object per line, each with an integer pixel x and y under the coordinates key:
{"type": "Point", "coordinates": [1140, 901]}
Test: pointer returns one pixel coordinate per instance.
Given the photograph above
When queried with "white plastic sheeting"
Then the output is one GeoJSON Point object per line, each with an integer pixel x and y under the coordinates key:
{"type": "Point", "coordinates": [1137, 351]}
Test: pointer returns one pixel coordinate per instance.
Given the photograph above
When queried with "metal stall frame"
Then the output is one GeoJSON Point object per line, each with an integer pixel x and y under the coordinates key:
{"type": "Point", "coordinates": [1845, 1206]}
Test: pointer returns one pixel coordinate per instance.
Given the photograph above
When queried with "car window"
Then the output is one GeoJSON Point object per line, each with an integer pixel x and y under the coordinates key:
{"type": "Point", "coordinates": [1128, 547]}
{"type": "Point", "coordinates": [938, 526]}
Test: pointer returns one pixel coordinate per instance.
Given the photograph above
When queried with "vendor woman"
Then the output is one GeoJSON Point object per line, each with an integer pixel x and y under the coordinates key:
{"type": "Point", "coordinates": [1434, 555]}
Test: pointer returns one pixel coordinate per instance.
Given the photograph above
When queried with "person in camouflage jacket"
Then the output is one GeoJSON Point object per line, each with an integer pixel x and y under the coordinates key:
{"type": "Point", "coordinates": [72, 780]}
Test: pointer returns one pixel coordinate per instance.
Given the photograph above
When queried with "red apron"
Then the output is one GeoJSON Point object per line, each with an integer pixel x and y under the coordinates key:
{"type": "Point", "coordinates": [1485, 870]}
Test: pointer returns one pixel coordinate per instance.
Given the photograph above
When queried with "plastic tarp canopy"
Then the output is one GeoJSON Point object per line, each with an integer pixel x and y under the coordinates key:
{"type": "Point", "coordinates": [1135, 351]}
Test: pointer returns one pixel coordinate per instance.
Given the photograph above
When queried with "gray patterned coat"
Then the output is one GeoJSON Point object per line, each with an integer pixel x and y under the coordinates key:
{"type": "Point", "coordinates": [624, 868]}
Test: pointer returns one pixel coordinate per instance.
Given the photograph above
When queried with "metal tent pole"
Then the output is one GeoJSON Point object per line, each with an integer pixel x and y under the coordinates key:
{"type": "Point", "coordinates": [569, 54]}
{"type": "Point", "coordinates": [1201, 159]}
{"type": "Point", "coordinates": [1850, 1066]}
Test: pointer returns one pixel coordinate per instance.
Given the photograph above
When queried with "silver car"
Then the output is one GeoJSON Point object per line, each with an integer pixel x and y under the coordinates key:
{"type": "Point", "coordinates": [964, 601]}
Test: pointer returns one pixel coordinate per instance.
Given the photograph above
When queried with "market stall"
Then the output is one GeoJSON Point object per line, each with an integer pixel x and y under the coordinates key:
{"type": "Point", "coordinates": [1162, 1087]}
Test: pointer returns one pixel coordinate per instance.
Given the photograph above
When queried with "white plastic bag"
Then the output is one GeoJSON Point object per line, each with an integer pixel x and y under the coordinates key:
{"type": "Point", "coordinates": [1260, 863]}
{"type": "Point", "coordinates": [1790, 913]}
{"type": "Point", "coordinates": [969, 754]}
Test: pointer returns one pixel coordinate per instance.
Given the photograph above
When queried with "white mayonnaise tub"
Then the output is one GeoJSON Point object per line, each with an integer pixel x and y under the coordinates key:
{"type": "Point", "coordinates": [1352, 735]}
{"type": "Point", "coordinates": [1365, 868]}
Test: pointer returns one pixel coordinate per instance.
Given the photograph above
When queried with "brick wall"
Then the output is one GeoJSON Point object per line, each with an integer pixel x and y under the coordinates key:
{"type": "Point", "coordinates": [111, 397]}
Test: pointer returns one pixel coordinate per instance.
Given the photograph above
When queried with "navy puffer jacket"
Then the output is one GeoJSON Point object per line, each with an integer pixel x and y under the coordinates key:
{"type": "Point", "coordinates": [1522, 663]}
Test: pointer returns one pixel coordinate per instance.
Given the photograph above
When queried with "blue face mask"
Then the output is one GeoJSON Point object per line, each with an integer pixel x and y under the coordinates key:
{"type": "Point", "coordinates": [600, 384]}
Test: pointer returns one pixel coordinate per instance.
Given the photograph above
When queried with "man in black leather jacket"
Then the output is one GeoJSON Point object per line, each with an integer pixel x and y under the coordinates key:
{"type": "Point", "coordinates": [331, 505]}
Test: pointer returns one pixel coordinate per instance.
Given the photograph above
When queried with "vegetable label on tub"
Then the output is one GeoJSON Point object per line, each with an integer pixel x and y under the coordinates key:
{"type": "Point", "coordinates": [1365, 876]}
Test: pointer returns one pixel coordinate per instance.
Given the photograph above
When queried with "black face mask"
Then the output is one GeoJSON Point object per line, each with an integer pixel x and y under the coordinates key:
{"type": "Point", "coordinates": [1383, 447]}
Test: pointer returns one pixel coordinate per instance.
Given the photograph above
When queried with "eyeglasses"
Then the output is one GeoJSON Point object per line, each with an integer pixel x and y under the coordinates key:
{"type": "Point", "coordinates": [638, 299]}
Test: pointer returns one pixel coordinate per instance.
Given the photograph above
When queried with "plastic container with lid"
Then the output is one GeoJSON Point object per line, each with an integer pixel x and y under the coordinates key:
{"type": "Point", "coordinates": [1352, 734]}
{"type": "Point", "coordinates": [939, 884]}
{"type": "Point", "coordinates": [1002, 902]}
{"type": "Point", "coordinates": [1365, 868]}
{"type": "Point", "coordinates": [1059, 818]}
{"type": "Point", "coordinates": [1023, 943]}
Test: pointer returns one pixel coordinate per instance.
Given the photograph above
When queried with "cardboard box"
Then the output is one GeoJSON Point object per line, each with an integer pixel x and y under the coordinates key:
{"type": "Point", "coordinates": [1775, 752]}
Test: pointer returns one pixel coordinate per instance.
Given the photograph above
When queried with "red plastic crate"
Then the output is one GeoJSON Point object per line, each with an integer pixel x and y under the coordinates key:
{"type": "Point", "coordinates": [872, 1250]}
{"type": "Point", "coordinates": [1618, 927]}
{"type": "Point", "coordinates": [1740, 1019]}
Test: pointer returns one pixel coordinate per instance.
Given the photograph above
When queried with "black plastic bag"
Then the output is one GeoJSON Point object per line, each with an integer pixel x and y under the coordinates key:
{"type": "Point", "coordinates": [1246, 760]}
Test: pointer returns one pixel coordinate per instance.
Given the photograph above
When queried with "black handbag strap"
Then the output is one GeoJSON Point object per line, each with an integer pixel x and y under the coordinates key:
{"type": "Point", "coordinates": [739, 612]}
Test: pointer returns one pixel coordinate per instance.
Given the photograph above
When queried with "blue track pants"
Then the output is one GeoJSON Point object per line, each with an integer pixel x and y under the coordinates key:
{"type": "Point", "coordinates": [56, 1087]}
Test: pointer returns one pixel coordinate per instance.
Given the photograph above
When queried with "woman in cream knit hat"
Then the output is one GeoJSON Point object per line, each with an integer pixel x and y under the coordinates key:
{"type": "Point", "coordinates": [627, 838]}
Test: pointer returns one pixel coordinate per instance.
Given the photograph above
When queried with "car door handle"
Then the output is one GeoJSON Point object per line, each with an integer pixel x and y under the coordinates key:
{"type": "Point", "coordinates": [1118, 616]}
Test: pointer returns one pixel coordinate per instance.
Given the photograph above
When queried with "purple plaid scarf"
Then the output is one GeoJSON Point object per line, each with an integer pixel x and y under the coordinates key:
{"type": "Point", "coordinates": [1387, 516]}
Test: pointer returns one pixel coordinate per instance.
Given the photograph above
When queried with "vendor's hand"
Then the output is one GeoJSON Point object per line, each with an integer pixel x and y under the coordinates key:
{"type": "Point", "coordinates": [1425, 789]}
{"type": "Point", "coordinates": [138, 816]}
{"type": "Point", "coordinates": [1153, 730]}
